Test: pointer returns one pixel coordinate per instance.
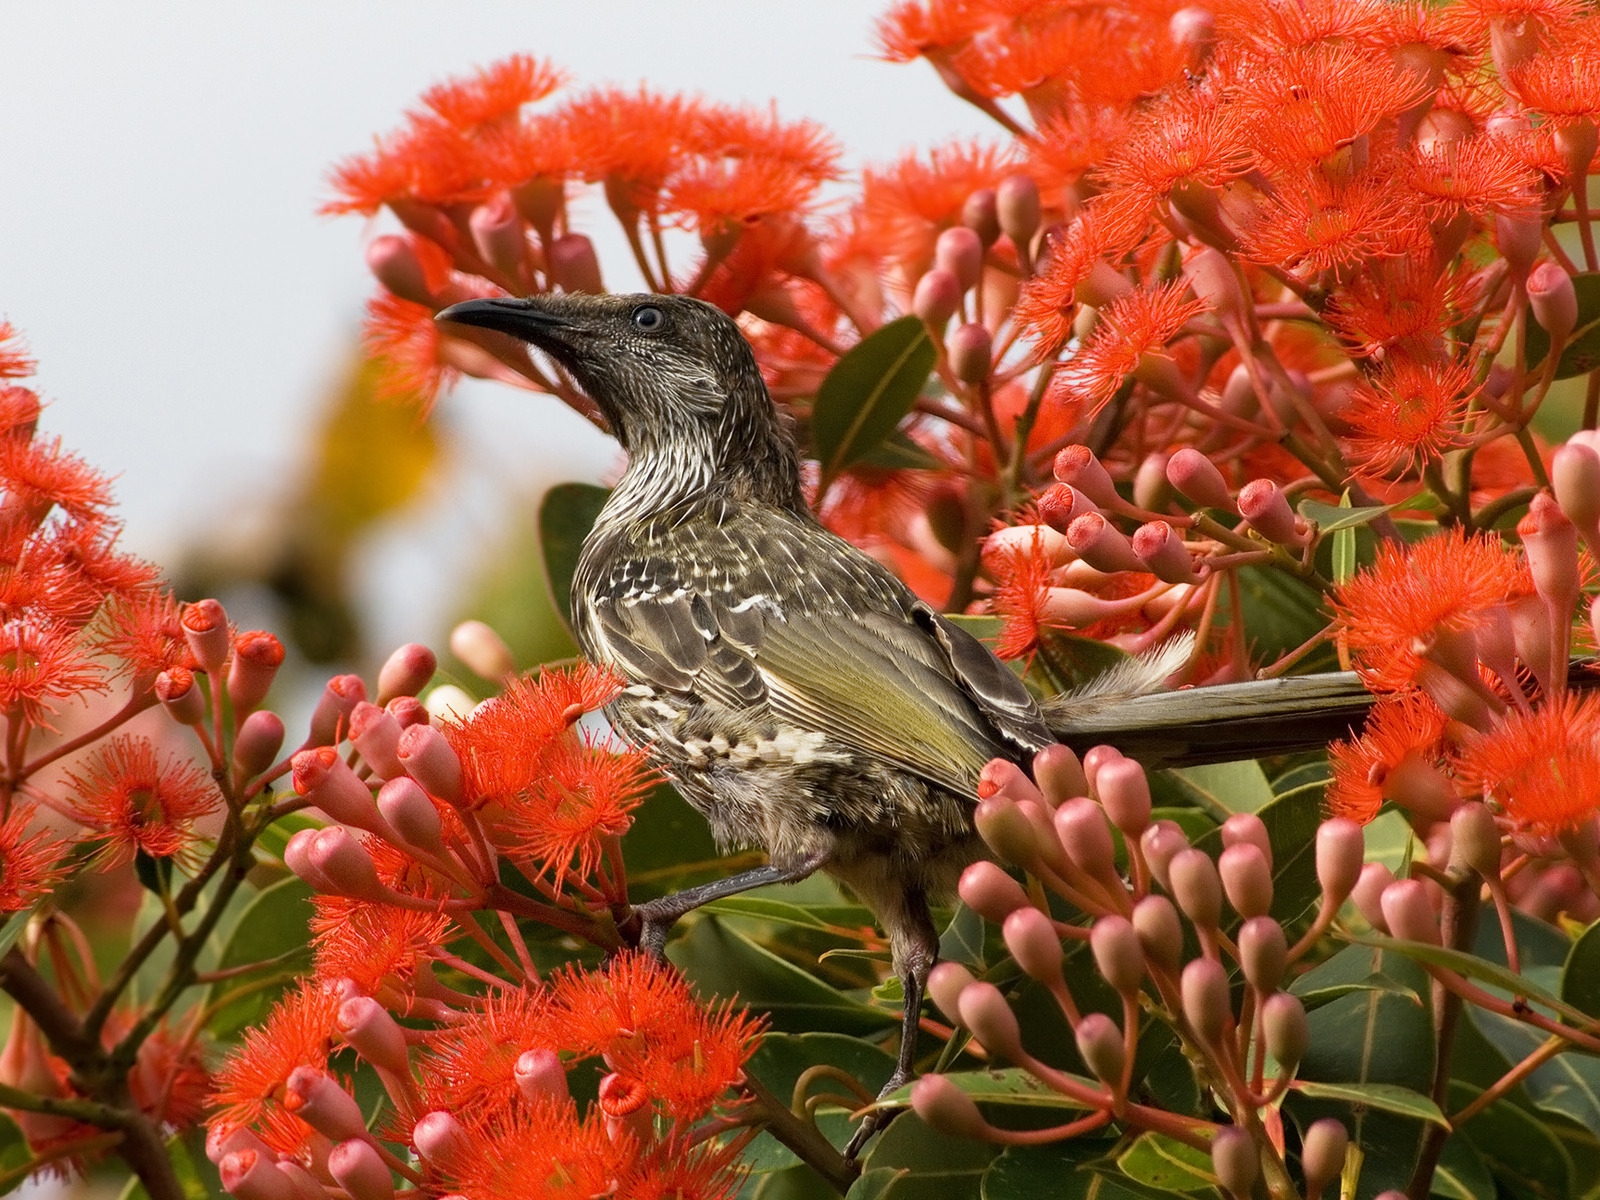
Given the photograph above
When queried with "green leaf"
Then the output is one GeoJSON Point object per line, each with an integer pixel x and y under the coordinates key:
{"type": "Point", "coordinates": [764, 908]}
{"type": "Point", "coordinates": [1473, 967]}
{"type": "Point", "coordinates": [1461, 1174]}
{"type": "Point", "coordinates": [869, 391]}
{"type": "Point", "coordinates": [274, 930]}
{"type": "Point", "coordinates": [1280, 613]}
{"type": "Point", "coordinates": [1069, 1170]}
{"type": "Point", "coordinates": [782, 1058]}
{"type": "Point", "coordinates": [1332, 517]}
{"type": "Point", "coordinates": [871, 1185]}
{"type": "Point", "coordinates": [899, 452]}
{"type": "Point", "coordinates": [154, 874]}
{"type": "Point", "coordinates": [1525, 1157]}
{"type": "Point", "coordinates": [1375, 982]}
{"type": "Point", "coordinates": [1011, 1086]}
{"type": "Point", "coordinates": [1344, 555]}
{"type": "Point", "coordinates": [1580, 977]}
{"type": "Point", "coordinates": [566, 514]}
{"type": "Point", "coordinates": [669, 847]}
{"type": "Point", "coordinates": [1568, 1084]}
{"type": "Point", "coordinates": [720, 961]}
{"type": "Point", "coordinates": [1168, 1165]}
{"type": "Point", "coordinates": [276, 836]}
{"type": "Point", "coordinates": [963, 939]}
{"type": "Point", "coordinates": [16, 1160]}
{"type": "Point", "coordinates": [1384, 1097]}
{"type": "Point", "coordinates": [12, 929]}
{"type": "Point", "coordinates": [799, 1182]}
{"type": "Point", "coordinates": [1227, 788]}
{"type": "Point", "coordinates": [940, 1167]}
{"type": "Point", "coordinates": [1582, 351]}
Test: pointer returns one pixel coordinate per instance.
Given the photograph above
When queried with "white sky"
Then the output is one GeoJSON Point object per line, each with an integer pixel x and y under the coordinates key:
{"type": "Point", "coordinates": [162, 164]}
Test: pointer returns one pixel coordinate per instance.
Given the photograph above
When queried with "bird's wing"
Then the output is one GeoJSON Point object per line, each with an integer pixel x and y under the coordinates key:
{"type": "Point", "coordinates": [791, 622]}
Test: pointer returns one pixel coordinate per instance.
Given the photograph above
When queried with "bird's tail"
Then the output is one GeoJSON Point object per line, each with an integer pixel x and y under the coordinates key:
{"type": "Point", "coordinates": [1230, 721]}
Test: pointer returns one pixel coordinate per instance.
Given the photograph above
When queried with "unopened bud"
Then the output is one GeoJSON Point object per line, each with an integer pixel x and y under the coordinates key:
{"type": "Point", "coordinates": [1125, 794]}
{"type": "Point", "coordinates": [1550, 542]}
{"type": "Point", "coordinates": [1061, 504]}
{"type": "Point", "coordinates": [1078, 466]}
{"type": "Point", "coordinates": [440, 1140]}
{"type": "Point", "coordinates": [331, 719]}
{"type": "Point", "coordinates": [1101, 1045]}
{"type": "Point", "coordinates": [1118, 953]}
{"type": "Point", "coordinates": [985, 1012]}
{"type": "Point", "coordinates": [970, 349]}
{"type": "Point", "coordinates": [539, 1073]}
{"type": "Point", "coordinates": [1322, 1154]}
{"type": "Point", "coordinates": [1017, 205]}
{"type": "Point", "coordinates": [408, 711]}
{"type": "Point", "coordinates": [1475, 839]}
{"type": "Point", "coordinates": [357, 1167]}
{"type": "Point", "coordinates": [1577, 140]}
{"type": "Point", "coordinates": [345, 865]}
{"type": "Point", "coordinates": [990, 892]}
{"type": "Point", "coordinates": [499, 235]}
{"type": "Point", "coordinates": [1032, 939]}
{"type": "Point", "coordinates": [1101, 544]}
{"type": "Point", "coordinates": [374, 1034]}
{"type": "Point", "coordinates": [394, 263]}
{"type": "Point", "coordinates": [1341, 853]}
{"type": "Point", "coordinates": [406, 672]}
{"type": "Point", "coordinates": [1246, 878]}
{"type": "Point", "coordinates": [1060, 775]}
{"type": "Point", "coordinates": [1408, 913]}
{"type": "Point", "coordinates": [1575, 479]}
{"type": "Point", "coordinates": [946, 1108]}
{"type": "Point", "coordinates": [410, 813]}
{"type": "Point", "coordinates": [1263, 953]}
{"type": "Point", "coordinates": [1520, 236]}
{"type": "Point", "coordinates": [253, 1175]}
{"type": "Point", "coordinates": [981, 215]}
{"type": "Point", "coordinates": [222, 1141]}
{"type": "Point", "coordinates": [1151, 489]}
{"type": "Point", "coordinates": [946, 982]}
{"type": "Point", "coordinates": [256, 746]}
{"type": "Point", "coordinates": [1086, 835]}
{"type": "Point", "coordinates": [1195, 29]}
{"type": "Point", "coordinates": [959, 250]}
{"type": "Point", "coordinates": [428, 757]}
{"type": "Point", "coordinates": [1371, 884]}
{"type": "Point", "coordinates": [1213, 281]}
{"type": "Point", "coordinates": [186, 703]}
{"type": "Point", "coordinates": [323, 777]}
{"type": "Point", "coordinates": [483, 650]}
{"type": "Point", "coordinates": [1095, 760]}
{"type": "Point", "coordinates": [447, 702]}
{"type": "Point", "coordinates": [1262, 504]}
{"type": "Point", "coordinates": [1247, 827]}
{"type": "Point", "coordinates": [1002, 777]}
{"type": "Point", "coordinates": [1554, 302]}
{"type": "Point", "coordinates": [1235, 1160]}
{"type": "Point", "coordinates": [1163, 553]}
{"type": "Point", "coordinates": [1196, 888]}
{"type": "Point", "coordinates": [257, 655]}
{"type": "Point", "coordinates": [375, 734]}
{"type": "Point", "coordinates": [1287, 1033]}
{"type": "Point", "coordinates": [573, 265]}
{"type": "Point", "coordinates": [1204, 990]}
{"type": "Point", "coordinates": [937, 296]}
{"type": "Point", "coordinates": [1197, 478]}
{"type": "Point", "coordinates": [1160, 934]}
{"type": "Point", "coordinates": [1007, 832]}
{"type": "Point", "coordinates": [205, 628]}
{"type": "Point", "coordinates": [315, 1098]}
{"type": "Point", "coordinates": [1161, 843]}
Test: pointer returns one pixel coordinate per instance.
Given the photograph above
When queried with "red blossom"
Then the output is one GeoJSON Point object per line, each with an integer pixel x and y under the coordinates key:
{"type": "Point", "coordinates": [1139, 323]}
{"type": "Point", "coordinates": [1407, 724]}
{"type": "Point", "coordinates": [125, 794]}
{"type": "Point", "coordinates": [1409, 414]}
{"type": "Point", "coordinates": [495, 93]}
{"type": "Point", "coordinates": [249, 1089]}
{"type": "Point", "coordinates": [29, 861]}
{"type": "Point", "coordinates": [15, 361]}
{"type": "Point", "coordinates": [1543, 766]}
{"type": "Point", "coordinates": [470, 1066]}
{"type": "Point", "coordinates": [376, 945]}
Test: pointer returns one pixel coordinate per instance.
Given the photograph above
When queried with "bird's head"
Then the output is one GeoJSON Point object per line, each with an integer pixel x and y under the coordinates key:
{"type": "Point", "coordinates": [664, 370]}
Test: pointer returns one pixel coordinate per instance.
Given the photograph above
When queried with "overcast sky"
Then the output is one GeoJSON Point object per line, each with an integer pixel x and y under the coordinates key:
{"type": "Point", "coordinates": [163, 162]}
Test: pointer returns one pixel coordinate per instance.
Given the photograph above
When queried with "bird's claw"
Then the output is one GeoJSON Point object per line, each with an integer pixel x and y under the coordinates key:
{"type": "Point", "coordinates": [876, 1118]}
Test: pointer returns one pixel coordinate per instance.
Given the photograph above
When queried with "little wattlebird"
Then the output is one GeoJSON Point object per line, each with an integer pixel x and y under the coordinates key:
{"type": "Point", "coordinates": [802, 698]}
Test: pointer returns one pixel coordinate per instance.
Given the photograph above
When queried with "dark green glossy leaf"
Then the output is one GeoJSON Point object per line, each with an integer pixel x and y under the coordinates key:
{"type": "Point", "coordinates": [1473, 967]}
{"type": "Point", "coordinates": [276, 836]}
{"type": "Point", "coordinates": [1526, 1159]}
{"type": "Point", "coordinates": [1011, 1086]}
{"type": "Point", "coordinates": [273, 930]}
{"type": "Point", "coordinates": [566, 515]}
{"type": "Point", "coordinates": [963, 939]}
{"type": "Point", "coordinates": [765, 908]}
{"type": "Point", "coordinates": [1228, 787]}
{"type": "Point", "coordinates": [1568, 1084]}
{"type": "Point", "coordinates": [1280, 613]}
{"type": "Point", "coordinates": [871, 1185]}
{"type": "Point", "coordinates": [940, 1167]}
{"type": "Point", "coordinates": [1582, 351]}
{"type": "Point", "coordinates": [780, 1061]}
{"type": "Point", "coordinates": [869, 391]}
{"type": "Point", "coordinates": [1164, 1164]}
{"type": "Point", "coordinates": [1344, 553]}
{"type": "Point", "coordinates": [793, 1183]}
{"type": "Point", "coordinates": [1375, 982]}
{"type": "Point", "coordinates": [1580, 977]}
{"type": "Point", "coordinates": [900, 452]}
{"type": "Point", "coordinates": [1069, 1170]}
{"type": "Point", "coordinates": [1331, 517]}
{"type": "Point", "coordinates": [12, 929]}
{"type": "Point", "coordinates": [15, 1157]}
{"type": "Point", "coordinates": [669, 846]}
{"type": "Point", "coordinates": [1461, 1174]}
{"type": "Point", "coordinates": [1383, 1097]}
{"type": "Point", "coordinates": [154, 874]}
{"type": "Point", "coordinates": [720, 961]}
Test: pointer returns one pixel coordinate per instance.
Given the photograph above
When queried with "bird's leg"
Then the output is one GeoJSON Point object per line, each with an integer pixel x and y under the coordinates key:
{"type": "Point", "coordinates": [916, 948]}
{"type": "Point", "coordinates": [655, 917]}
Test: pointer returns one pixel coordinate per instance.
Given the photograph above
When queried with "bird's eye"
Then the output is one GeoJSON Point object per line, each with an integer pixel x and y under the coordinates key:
{"type": "Point", "coordinates": [647, 318]}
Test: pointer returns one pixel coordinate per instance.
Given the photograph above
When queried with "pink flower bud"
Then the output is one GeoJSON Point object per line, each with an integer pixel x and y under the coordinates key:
{"type": "Point", "coordinates": [1151, 489]}
{"type": "Point", "coordinates": [1002, 777]}
{"type": "Point", "coordinates": [946, 1108]}
{"type": "Point", "coordinates": [1025, 538]}
{"type": "Point", "coordinates": [1475, 839]}
{"type": "Point", "coordinates": [222, 1141]}
{"type": "Point", "coordinates": [540, 1073]}
{"type": "Point", "coordinates": [376, 734]}
{"type": "Point", "coordinates": [439, 1139]}
{"type": "Point", "coordinates": [374, 1034]}
{"type": "Point", "coordinates": [1086, 834]}
{"type": "Point", "coordinates": [1125, 793]}
{"type": "Point", "coordinates": [1554, 302]}
{"type": "Point", "coordinates": [256, 747]}
{"type": "Point", "coordinates": [1520, 237]}
{"type": "Point", "coordinates": [985, 1012]}
{"type": "Point", "coordinates": [1101, 1045]}
{"type": "Point", "coordinates": [1197, 477]}
{"type": "Point", "coordinates": [297, 857]}
{"type": "Point", "coordinates": [1262, 504]}
{"type": "Point", "coordinates": [1059, 774]}
{"type": "Point", "coordinates": [1032, 939]}
{"type": "Point", "coordinates": [1575, 479]}
{"type": "Point", "coordinates": [936, 298]}
{"type": "Point", "coordinates": [253, 1175]}
{"type": "Point", "coordinates": [959, 250]}
{"type": "Point", "coordinates": [1341, 853]}
{"type": "Point", "coordinates": [331, 720]}
{"type": "Point", "coordinates": [1214, 282]}
{"type": "Point", "coordinates": [1287, 1033]}
{"type": "Point", "coordinates": [981, 215]}
{"type": "Point", "coordinates": [1551, 544]}
{"type": "Point", "coordinates": [406, 672]}
{"type": "Point", "coordinates": [344, 863]}
{"type": "Point", "coordinates": [1160, 934]}
{"type": "Point", "coordinates": [573, 265]}
{"type": "Point", "coordinates": [1408, 912]}
{"type": "Point", "coordinates": [990, 892]}
{"type": "Point", "coordinates": [1061, 504]}
{"type": "Point", "coordinates": [1577, 141]}
{"type": "Point", "coordinates": [205, 628]}
{"type": "Point", "coordinates": [176, 690]}
{"type": "Point", "coordinates": [1077, 465]}
{"type": "Point", "coordinates": [324, 778]}
{"type": "Point", "coordinates": [1051, 852]}
{"type": "Point", "coordinates": [411, 815]}
{"type": "Point", "coordinates": [1094, 761]}
{"type": "Point", "coordinates": [1235, 1159]}
{"type": "Point", "coordinates": [1263, 953]}
{"type": "Point", "coordinates": [394, 263]}
{"type": "Point", "coordinates": [1322, 1153]}
{"type": "Point", "coordinates": [1204, 990]}
{"type": "Point", "coordinates": [499, 235]}
{"type": "Point", "coordinates": [1247, 827]}
{"type": "Point", "coordinates": [1246, 878]}
{"type": "Point", "coordinates": [1101, 544]}
{"type": "Point", "coordinates": [1163, 553]}
{"type": "Point", "coordinates": [1118, 953]}
{"type": "Point", "coordinates": [257, 655]}
{"type": "Point", "coordinates": [1161, 842]}
{"type": "Point", "coordinates": [970, 348]}
{"type": "Point", "coordinates": [427, 757]}
{"type": "Point", "coordinates": [484, 651]}
{"type": "Point", "coordinates": [1371, 884]}
{"type": "Point", "coordinates": [945, 984]}
{"type": "Point", "coordinates": [316, 1099]}
{"type": "Point", "coordinates": [1196, 887]}
{"type": "Point", "coordinates": [408, 711]}
{"type": "Point", "coordinates": [1017, 205]}
{"type": "Point", "coordinates": [1007, 832]}
{"type": "Point", "coordinates": [358, 1169]}
{"type": "Point", "coordinates": [1195, 29]}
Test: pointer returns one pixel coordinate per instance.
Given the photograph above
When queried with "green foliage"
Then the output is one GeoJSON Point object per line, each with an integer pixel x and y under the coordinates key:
{"type": "Point", "coordinates": [868, 393]}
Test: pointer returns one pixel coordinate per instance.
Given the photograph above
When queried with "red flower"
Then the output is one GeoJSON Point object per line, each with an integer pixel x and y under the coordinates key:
{"type": "Point", "coordinates": [1023, 579]}
{"type": "Point", "coordinates": [126, 795]}
{"type": "Point", "coordinates": [1139, 323]}
{"type": "Point", "coordinates": [495, 93]}
{"type": "Point", "coordinates": [28, 861]}
{"type": "Point", "coordinates": [583, 794]}
{"type": "Point", "coordinates": [470, 1067]}
{"type": "Point", "coordinates": [15, 361]}
{"type": "Point", "coordinates": [905, 207]}
{"type": "Point", "coordinates": [1407, 724]}
{"type": "Point", "coordinates": [1311, 225]}
{"type": "Point", "coordinates": [146, 632]}
{"type": "Point", "coordinates": [299, 1032]}
{"type": "Point", "coordinates": [1543, 766]}
{"type": "Point", "coordinates": [405, 341]}
{"type": "Point", "coordinates": [41, 662]}
{"type": "Point", "coordinates": [1409, 414]}
{"type": "Point", "coordinates": [376, 945]}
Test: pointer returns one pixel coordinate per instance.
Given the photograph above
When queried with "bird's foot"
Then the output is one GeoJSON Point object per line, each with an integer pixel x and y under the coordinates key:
{"type": "Point", "coordinates": [647, 928]}
{"type": "Point", "coordinates": [877, 1118]}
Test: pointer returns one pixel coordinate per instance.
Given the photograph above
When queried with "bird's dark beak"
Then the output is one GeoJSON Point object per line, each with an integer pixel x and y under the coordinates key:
{"type": "Point", "coordinates": [506, 314]}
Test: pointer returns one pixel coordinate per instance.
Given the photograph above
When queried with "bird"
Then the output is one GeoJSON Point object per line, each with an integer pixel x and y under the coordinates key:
{"type": "Point", "coordinates": [800, 696]}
